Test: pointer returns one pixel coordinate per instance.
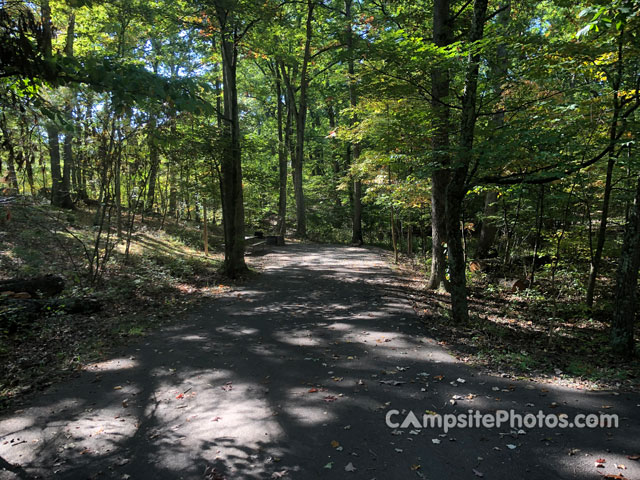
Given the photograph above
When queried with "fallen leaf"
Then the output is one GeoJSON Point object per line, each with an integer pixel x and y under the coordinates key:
{"type": "Point", "coordinates": [335, 443]}
{"type": "Point", "coordinates": [477, 473]}
{"type": "Point", "coordinates": [330, 398]}
{"type": "Point", "coordinates": [350, 467]}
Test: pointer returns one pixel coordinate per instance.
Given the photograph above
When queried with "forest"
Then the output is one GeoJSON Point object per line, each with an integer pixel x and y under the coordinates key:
{"type": "Point", "coordinates": [462, 134]}
{"type": "Point", "coordinates": [482, 140]}
{"type": "Point", "coordinates": [156, 155]}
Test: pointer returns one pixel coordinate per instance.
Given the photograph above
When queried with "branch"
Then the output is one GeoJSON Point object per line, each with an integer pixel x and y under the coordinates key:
{"type": "Point", "coordinates": [517, 178]}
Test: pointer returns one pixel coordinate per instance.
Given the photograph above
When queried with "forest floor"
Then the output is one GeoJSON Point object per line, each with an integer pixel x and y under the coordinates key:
{"type": "Point", "coordinates": [528, 334]}
{"type": "Point", "coordinates": [164, 275]}
{"type": "Point", "coordinates": [290, 375]}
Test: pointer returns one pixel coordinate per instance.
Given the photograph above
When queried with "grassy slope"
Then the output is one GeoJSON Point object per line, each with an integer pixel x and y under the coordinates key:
{"type": "Point", "coordinates": [166, 271]}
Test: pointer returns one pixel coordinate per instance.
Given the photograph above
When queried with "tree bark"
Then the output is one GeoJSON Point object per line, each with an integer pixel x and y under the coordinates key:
{"type": "Point", "coordinates": [536, 247]}
{"type": "Point", "coordinates": [489, 229]}
{"type": "Point", "coordinates": [457, 187]}
{"type": "Point", "coordinates": [231, 163]}
{"type": "Point", "coordinates": [300, 114]}
{"type": "Point", "coordinates": [67, 148]}
{"type": "Point", "coordinates": [154, 160]}
{"type": "Point", "coordinates": [354, 148]}
{"type": "Point", "coordinates": [282, 158]}
{"type": "Point", "coordinates": [205, 230]}
{"type": "Point", "coordinates": [8, 144]}
{"type": "Point", "coordinates": [54, 159]}
{"type": "Point", "coordinates": [440, 80]}
{"type": "Point", "coordinates": [624, 315]}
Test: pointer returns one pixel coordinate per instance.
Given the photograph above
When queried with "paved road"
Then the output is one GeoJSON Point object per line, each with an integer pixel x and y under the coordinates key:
{"type": "Point", "coordinates": [291, 377]}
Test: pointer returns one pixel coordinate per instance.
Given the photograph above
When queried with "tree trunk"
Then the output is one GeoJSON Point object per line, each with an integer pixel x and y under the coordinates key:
{"type": "Point", "coordinates": [457, 187]}
{"type": "Point", "coordinates": [231, 162]}
{"type": "Point", "coordinates": [624, 315]}
{"type": "Point", "coordinates": [54, 159]}
{"type": "Point", "coordinates": [602, 229]}
{"type": "Point", "coordinates": [489, 229]}
{"type": "Point", "coordinates": [8, 144]}
{"type": "Point", "coordinates": [154, 160]}
{"type": "Point", "coordinates": [67, 148]}
{"type": "Point", "coordinates": [440, 80]}
{"type": "Point", "coordinates": [536, 247]}
{"type": "Point", "coordinates": [301, 120]}
{"type": "Point", "coordinates": [171, 174]}
{"type": "Point", "coordinates": [205, 230]}
{"type": "Point", "coordinates": [498, 72]}
{"type": "Point", "coordinates": [439, 181]}
{"type": "Point", "coordinates": [300, 114]}
{"type": "Point", "coordinates": [356, 233]}
{"type": "Point", "coordinates": [282, 159]}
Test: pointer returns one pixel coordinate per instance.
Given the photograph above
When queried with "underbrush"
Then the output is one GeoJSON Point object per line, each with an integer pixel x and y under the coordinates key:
{"type": "Point", "coordinates": [164, 272]}
{"type": "Point", "coordinates": [544, 332]}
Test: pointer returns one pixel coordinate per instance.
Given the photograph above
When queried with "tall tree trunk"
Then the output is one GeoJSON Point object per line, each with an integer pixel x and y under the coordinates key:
{"type": "Point", "coordinates": [300, 114]}
{"type": "Point", "coordinates": [154, 160]}
{"type": "Point", "coordinates": [67, 148]}
{"type": "Point", "coordinates": [80, 165]}
{"type": "Point", "coordinates": [54, 159]}
{"type": "Point", "coordinates": [65, 186]}
{"type": "Point", "coordinates": [489, 228]}
{"type": "Point", "coordinates": [613, 133]}
{"type": "Point", "coordinates": [8, 144]}
{"type": "Point", "coordinates": [536, 247]}
{"type": "Point", "coordinates": [457, 187]}
{"type": "Point", "coordinates": [624, 315]}
{"type": "Point", "coordinates": [498, 72]}
{"type": "Point", "coordinates": [301, 121]}
{"type": "Point", "coordinates": [231, 163]}
{"type": "Point", "coordinates": [356, 233]}
{"type": "Point", "coordinates": [282, 158]}
{"type": "Point", "coordinates": [205, 230]}
{"type": "Point", "coordinates": [117, 188]}
{"type": "Point", "coordinates": [442, 36]}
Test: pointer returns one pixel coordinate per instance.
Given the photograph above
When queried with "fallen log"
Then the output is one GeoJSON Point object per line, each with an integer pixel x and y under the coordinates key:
{"type": "Point", "coordinates": [19, 312]}
{"type": "Point", "coordinates": [45, 286]}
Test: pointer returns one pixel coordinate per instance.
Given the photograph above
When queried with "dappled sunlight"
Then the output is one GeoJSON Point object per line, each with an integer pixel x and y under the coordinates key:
{"type": "Point", "coordinates": [296, 372]}
{"type": "Point", "coordinates": [113, 364]}
{"type": "Point", "coordinates": [298, 340]}
{"type": "Point", "coordinates": [340, 326]}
